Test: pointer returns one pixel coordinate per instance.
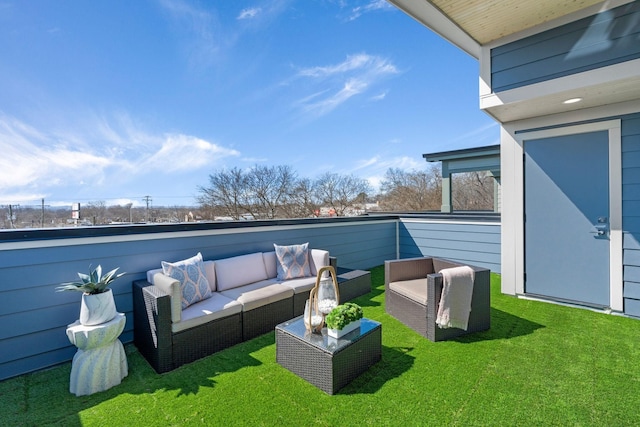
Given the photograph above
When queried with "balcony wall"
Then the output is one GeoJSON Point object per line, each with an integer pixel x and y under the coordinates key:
{"type": "Point", "coordinates": [468, 239]}
{"type": "Point", "coordinates": [34, 316]}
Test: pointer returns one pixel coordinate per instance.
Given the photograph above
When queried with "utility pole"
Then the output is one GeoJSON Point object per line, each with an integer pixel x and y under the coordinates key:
{"type": "Point", "coordinates": [147, 200]}
{"type": "Point", "coordinates": [129, 206]}
{"type": "Point", "coordinates": [42, 214]}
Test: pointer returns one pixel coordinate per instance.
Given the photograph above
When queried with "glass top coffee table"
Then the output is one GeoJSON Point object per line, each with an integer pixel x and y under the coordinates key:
{"type": "Point", "coordinates": [326, 362]}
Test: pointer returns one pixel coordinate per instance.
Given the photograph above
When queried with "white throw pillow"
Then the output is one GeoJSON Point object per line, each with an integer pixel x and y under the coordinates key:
{"type": "Point", "coordinates": [194, 285]}
{"type": "Point", "coordinates": [239, 270]}
{"type": "Point", "coordinates": [293, 261]}
{"type": "Point", "coordinates": [270, 262]}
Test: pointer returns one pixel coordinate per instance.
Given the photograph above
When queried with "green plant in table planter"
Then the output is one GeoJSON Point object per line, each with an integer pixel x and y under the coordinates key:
{"type": "Point", "coordinates": [97, 304]}
{"type": "Point", "coordinates": [92, 283]}
{"type": "Point", "coordinates": [343, 314]}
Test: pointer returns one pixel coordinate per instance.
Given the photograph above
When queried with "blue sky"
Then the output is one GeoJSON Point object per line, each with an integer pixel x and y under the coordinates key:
{"type": "Point", "coordinates": [117, 100]}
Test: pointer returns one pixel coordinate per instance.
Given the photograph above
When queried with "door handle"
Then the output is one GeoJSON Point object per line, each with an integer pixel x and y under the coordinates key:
{"type": "Point", "coordinates": [600, 230]}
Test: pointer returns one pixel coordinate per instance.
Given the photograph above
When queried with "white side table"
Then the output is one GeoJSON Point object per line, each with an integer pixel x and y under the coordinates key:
{"type": "Point", "coordinates": [100, 362]}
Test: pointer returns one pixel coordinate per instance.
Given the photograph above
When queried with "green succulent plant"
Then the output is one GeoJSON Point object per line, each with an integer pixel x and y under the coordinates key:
{"type": "Point", "coordinates": [92, 283]}
{"type": "Point", "coordinates": [343, 314]}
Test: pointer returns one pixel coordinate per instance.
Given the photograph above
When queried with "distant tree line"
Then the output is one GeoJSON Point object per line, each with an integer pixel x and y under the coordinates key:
{"type": "Point", "coordinates": [264, 192]}
{"type": "Point", "coordinates": [269, 192]}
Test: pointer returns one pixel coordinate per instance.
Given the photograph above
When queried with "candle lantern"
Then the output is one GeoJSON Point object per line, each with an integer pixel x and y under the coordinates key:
{"type": "Point", "coordinates": [324, 297]}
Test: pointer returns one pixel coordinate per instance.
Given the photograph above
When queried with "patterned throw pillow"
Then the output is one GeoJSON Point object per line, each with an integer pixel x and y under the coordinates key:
{"type": "Point", "coordinates": [293, 261]}
{"type": "Point", "coordinates": [194, 285]}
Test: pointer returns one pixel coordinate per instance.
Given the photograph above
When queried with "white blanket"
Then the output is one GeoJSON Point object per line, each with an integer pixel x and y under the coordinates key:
{"type": "Point", "coordinates": [455, 302]}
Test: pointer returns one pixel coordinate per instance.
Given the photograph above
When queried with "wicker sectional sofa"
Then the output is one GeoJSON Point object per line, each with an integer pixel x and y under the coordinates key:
{"type": "Point", "coordinates": [247, 300]}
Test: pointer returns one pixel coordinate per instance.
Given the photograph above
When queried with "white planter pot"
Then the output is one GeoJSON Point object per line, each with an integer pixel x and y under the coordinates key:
{"type": "Point", "coordinates": [339, 333]}
{"type": "Point", "coordinates": [98, 308]}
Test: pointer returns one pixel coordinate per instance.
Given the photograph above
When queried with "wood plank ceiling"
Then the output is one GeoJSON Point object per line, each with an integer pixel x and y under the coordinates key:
{"type": "Point", "coordinates": [489, 20]}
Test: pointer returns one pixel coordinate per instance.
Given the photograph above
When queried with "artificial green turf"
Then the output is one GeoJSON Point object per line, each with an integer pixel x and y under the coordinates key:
{"type": "Point", "coordinates": [539, 364]}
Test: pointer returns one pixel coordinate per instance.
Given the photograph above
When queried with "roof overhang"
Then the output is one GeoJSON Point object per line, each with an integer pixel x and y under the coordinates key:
{"type": "Point", "coordinates": [479, 25]}
{"type": "Point", "coordinates": [465, 153]}
{"type": "Point", "coordinates": [468, 160]}
{"type": "Point", "coordinates": [472, 24]}
{"type": "Point", "coordinates": [429, 15]}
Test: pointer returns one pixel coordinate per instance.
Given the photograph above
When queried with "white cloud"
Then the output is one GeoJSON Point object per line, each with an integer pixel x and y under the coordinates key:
{"type": "Point", "coordinates": [374, 168]}
{"type": "Point", "coordinates": [207, 37]}
{"type": "Point", "coordinates": [179, 153]}
{"type": "Point", "coordinates": [361, 164]}
{"type": "Point", "coordinates": [249, 13]}
{"type": "Point", "coordinates": [382, 163]}
{"type": "Point", "coordinates": [482, 133]}
{"type": "Point", "coordinates": [32, 158]}
{"type": "Point", "coordinates": [255, 159]}
{"type": "Point", "coordinates": [17, 197]}
{"type": "Point", "coordinates": [204, 37]}
{"type": "Point", "coordinates": [100, 151]}
{"type": "Point", "coordinates": [338, 83]}
{"type": "Point", "coordinates": [379, 97]}
{"type": "Point", "coordinates": [353, 62]}
{"type": "Point", "coordinates": [371, 6]}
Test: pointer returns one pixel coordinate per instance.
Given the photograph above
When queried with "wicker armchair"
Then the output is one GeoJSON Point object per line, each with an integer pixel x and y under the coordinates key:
{"type": "Point", "coordinates": [418, 307]}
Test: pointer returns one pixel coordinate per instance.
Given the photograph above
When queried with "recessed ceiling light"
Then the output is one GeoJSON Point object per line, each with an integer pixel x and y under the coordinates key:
{"type": "Point", "coordinates": [572, 101]}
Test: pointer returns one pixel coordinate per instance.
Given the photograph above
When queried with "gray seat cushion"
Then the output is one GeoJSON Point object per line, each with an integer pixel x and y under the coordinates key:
{"type": "Point", "coordinates": [259, 294]}
{"type": "Point", "coordinates": [303, 284]}
{"type": "Point", "coordinates": [216, 307]}
{"type": "Point", "coordinates": [415, 289]}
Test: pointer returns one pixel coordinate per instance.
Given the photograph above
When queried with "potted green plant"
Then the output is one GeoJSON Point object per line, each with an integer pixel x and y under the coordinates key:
{"type": "Point", "coordinates": [97, 305]}
{"type": "Point", "coordinates": [343, 319]}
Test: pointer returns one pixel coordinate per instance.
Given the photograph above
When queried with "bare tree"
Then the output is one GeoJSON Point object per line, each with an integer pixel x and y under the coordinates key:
{"type": "Point", "coordinates": [270, 189]}
{"type": "Point", "coordinates": [472, 191]}
{"type": "Point", "coordinates": [340, 192]}
{"type": "Point", "coordinates": [411, 190]}
{"type": "Point", "coordinates": [303, 202]}
{"type": "Point", "coordinates": [227, 192]}
{"type": "Point", "coordinates": [95, 211]}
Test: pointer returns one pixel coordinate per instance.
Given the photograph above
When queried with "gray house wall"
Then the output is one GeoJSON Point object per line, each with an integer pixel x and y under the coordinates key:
{"type": "Point", "coordinates": [631, 212]}
{"type": "Point", "coordinates": [608, 38]}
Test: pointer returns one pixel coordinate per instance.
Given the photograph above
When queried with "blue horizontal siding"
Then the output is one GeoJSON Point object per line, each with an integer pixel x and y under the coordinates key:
{"type": "Point", "coordinates": [631, 212]}
{"type": "Point", "coordinates": [631, 174]}
{"type": "Point", "coordinates": [477, 244]}
{"type": "Point", "coordinates": [632, 273]}
{"type": "Point", "coordinates": [39, 315]}
{"type": "Point", "coordinates": [630, 191]}
{"type": "Point", "coordinates": [631, 128]}
{"type": "Point", "coordinates": [632, 257]}
{"type": "Point", "coordinates": [632, 290]}
{"type": "Point", "coordinates": [632, 307]}
{"type": "Point", "coordinates": [630, 159]}
{"type": "Point", "coordinates": [611, 37]}
{"type": "Point", "coordinates": [630, 241]}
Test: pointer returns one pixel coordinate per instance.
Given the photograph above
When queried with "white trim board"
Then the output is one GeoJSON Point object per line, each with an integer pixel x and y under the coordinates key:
{"type": "Point", "coordinates": [448, 221]}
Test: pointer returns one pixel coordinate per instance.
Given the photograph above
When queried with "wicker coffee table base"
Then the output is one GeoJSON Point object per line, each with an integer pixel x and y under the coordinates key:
{"type": "Point", "coordinates": [327, 370]}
